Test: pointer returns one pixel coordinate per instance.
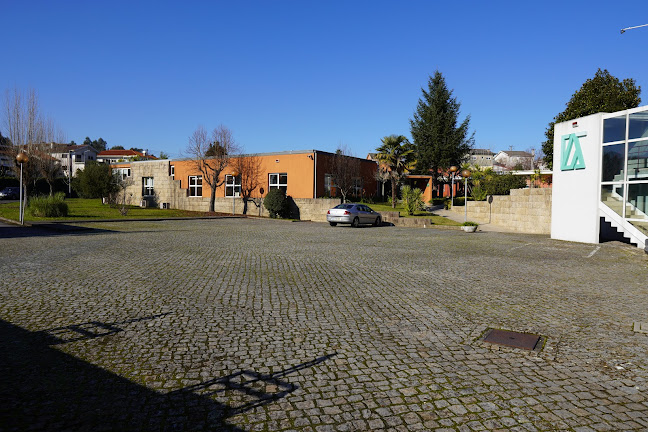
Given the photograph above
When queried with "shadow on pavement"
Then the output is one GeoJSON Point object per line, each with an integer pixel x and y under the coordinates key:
{"type": "Point", "coordinates": [43, 388]}
{"type": "Point", "coordinates": [46, 230]}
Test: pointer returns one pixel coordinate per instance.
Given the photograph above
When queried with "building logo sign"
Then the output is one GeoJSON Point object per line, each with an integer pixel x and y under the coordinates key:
{"type": "Point", "coordinates": [571, 154]}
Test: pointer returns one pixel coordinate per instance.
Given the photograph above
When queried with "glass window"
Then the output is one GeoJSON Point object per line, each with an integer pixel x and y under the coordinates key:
{"type": "Point", "coordinates": [195, 186]}
{"type": "Point", "coordinates": [614, 129]}
{"type": "Point", "coordinates": [637, 205]}
{"type": "Point", "coordinates": [612, 196]}
{"type": "Point", "coordinates": [147, 186]}
{"type": "Point", "coordinates": [172, 172]}
{"type": "Point", "coordinates": [328, 184]}
{"type": "Point", "coordinates": [638, 125]}
{"type": "Point", "coordinates": [613, 163]}
{"type": "Point", "coordinates": [638, 160]}
{"type": "Point", "coordinates": [232, 186]}
{"type": "Point", "coordinates": [278, 181]}
{"type": "Point", "coordinates": [357, 186]}
{"type": "Point", "coordinates": [123, 173]}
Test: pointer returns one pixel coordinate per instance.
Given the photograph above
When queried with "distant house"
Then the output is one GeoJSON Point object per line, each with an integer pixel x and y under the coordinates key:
{"type": "Point", "coordinates": [72, 157]}
{"type": "Point", "coordinates": [481, 157]}
{"type": "Point", "coordinates": [512, 159]}
{"type": "Point", "coordinates": [116, 156]}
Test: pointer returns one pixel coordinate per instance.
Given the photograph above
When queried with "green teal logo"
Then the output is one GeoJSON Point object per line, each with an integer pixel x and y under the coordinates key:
{"type": "Point", "coordinates": [571, 155]}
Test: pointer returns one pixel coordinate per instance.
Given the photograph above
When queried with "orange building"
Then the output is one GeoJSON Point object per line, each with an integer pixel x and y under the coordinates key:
{"type": "Point", "coordinates": [302, 174]}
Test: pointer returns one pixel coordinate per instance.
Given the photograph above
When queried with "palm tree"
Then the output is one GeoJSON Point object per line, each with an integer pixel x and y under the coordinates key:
{"type": "Point", "coordinates": [395, 156]}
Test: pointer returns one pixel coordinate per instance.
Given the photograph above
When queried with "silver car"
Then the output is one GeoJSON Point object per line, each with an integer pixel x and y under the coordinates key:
{"type": "Point", "coordinates": [354, 214]}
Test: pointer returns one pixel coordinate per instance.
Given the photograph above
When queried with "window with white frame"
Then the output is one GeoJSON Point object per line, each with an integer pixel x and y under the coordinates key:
{"type": "Point", "coordinates": [172, 172]}
{"type": "Point", "coordinates": [123, 173]}
{"type": "Point", "coordinates": [195, 186]}
{"type": "Point", "coordinates": [147, 186]}
{"type": "Point", "coordinates": [232, 186]}
{"type": "Point", "coordinates": [278, 181]}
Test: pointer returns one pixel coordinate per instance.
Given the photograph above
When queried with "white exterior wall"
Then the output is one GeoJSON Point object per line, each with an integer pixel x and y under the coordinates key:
{"type": "Point", "coordinates": [576, 193]}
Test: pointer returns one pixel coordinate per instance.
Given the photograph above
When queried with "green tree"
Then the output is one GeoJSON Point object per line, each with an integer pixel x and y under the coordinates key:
{"type": "Point", "coordinates": [94, 181]}
{"type": "Point", "coordinates": [395, 156]}
{"type": "Point", "coordinates": [98, 144]}
{"type": "Point", "coordinates": [439, 139]}
{"type": "Point", "coordinates": [117, 147]}
{"type": "Point", "coordinates": [163, 155]}
{"type": "Point", "coordinates": [603, 93]}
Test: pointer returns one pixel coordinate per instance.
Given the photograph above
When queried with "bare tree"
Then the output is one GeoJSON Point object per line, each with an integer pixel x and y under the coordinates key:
{"type": "Point", "coordinates": [211, 154]}
{"type": "Point", "coordinates": [345, 170]}
{"type": "Point", "coordinates": [383, 176]}
{"type": "Point", "coordinates": [31, 132]}
{"type": "Point", "coordinates": [249, 168]}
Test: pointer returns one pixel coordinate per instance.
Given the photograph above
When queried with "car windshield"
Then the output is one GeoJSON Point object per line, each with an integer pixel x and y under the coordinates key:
{"type": "Point", "coordinates": [344, 206]}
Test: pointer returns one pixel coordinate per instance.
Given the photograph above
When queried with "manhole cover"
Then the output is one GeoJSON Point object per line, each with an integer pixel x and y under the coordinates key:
{"type": "Point", "coordinates": [512, 339]}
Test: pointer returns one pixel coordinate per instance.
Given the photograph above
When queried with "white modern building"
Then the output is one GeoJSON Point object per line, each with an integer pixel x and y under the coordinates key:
{"type": "Point", "coordinates": [72, 157]}
{"type": "Point", "coordinates": [600, 178]}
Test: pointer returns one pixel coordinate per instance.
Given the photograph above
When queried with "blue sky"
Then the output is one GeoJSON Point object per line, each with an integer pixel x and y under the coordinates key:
{"type": "Point", "coordinates": [293, 75]}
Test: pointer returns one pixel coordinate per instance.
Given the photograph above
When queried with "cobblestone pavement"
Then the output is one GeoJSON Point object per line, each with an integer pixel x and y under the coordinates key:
{"type": "Point", "coordinates": [259, 325]}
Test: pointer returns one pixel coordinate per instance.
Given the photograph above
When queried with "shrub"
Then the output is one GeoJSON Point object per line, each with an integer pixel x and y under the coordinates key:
{"type": "Point", "coordinates": [470, 223]}
{"type": "Point", "coordinates": [48, 206]}
{"type": "Point", "coordinates": [412, 199]}
{"type": "Point", "coordinates": [277, 203]}
{"type": "Point", "coordinates": [502, 184]}
{"type": "Point", "coordinates": [460, 201]}
{"type": "Point", "coordinates": [479, 193]}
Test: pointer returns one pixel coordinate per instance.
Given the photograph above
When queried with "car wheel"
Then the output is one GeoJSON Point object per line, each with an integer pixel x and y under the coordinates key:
{"type": "Point", "coordinates": [378, 222]}
{"type": "Point", "coordinates": [355, 223]}
{"type": "Point", "coordinates": [333, 223]}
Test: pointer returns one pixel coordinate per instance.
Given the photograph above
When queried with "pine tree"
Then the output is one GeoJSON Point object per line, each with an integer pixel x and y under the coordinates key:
{"type": "Point", "coordinates": [438, 141]}
{"type": "Point", "coordinates": [603, 93]}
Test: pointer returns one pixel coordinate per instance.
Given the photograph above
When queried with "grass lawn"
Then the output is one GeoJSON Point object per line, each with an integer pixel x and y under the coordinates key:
{"type": "Point", "coordinates": [437, 220]}
{"type": "Point", "coordinates": [89, 209]}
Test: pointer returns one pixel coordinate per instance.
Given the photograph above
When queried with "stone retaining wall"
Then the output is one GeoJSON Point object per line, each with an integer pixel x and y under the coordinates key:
{"type": "Point", "coordinates": [525, 211]}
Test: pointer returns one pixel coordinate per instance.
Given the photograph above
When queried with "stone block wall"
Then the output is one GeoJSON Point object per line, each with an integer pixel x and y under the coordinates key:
{"type": "Point", "coordinates": [525, 211]}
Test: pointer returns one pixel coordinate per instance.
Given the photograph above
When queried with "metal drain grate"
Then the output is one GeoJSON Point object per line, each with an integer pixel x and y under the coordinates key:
{"type": "Point", "coordinates": [512, 339]}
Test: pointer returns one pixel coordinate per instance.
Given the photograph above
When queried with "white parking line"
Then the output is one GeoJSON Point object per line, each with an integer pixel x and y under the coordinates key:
{"type": "Point", "coordinates": [593, 252]}
{"type": "Point", "coordinates": [518, 247]}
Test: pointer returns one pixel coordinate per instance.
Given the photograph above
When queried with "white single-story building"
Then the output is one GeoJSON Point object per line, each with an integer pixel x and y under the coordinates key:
{"type": "Point", "coordinates": [600, 178]}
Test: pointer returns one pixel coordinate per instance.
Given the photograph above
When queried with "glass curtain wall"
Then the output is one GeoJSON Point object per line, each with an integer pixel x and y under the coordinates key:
{"type": "Point", "coordinates": [624, 169]}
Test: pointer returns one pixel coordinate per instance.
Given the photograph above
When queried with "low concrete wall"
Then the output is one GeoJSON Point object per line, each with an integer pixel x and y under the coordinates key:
{"type": "Point", "coordinates": [525, 210]}
{"type": "Point", "coordinates": [169, 191]}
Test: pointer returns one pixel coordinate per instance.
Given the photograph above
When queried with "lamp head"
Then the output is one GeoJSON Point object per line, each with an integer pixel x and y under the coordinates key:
{"type": "Point", "coordinates": [22, 157]}
{"type": "Point", "coordinates": [465, 173]}
{"type": "Point", "coordinates": [453, 168]}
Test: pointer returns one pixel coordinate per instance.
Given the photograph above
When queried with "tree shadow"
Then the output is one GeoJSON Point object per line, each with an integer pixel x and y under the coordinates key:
{"type": "Point", "coordinates": [45, 389]}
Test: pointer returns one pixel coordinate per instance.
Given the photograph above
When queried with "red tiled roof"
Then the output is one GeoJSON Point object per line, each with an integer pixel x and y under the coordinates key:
{"type": "Point", "coordinates": [120, 153]}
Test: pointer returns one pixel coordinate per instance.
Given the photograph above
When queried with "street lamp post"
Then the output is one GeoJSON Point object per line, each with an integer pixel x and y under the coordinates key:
{"type": "Point", "coordinates": [21, 159]}
{"type": "Point", "coordinates": [465, 174]}
{"type": "Point", "coordinates": [453, 170]}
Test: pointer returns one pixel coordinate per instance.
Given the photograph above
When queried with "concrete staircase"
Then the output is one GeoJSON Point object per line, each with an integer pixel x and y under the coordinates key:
{"type": "Point", "coordinates": [610, 209]}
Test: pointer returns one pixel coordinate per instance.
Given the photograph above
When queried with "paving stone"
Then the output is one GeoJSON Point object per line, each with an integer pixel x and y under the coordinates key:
{"type": "Point", "coordinates": [249, 324]}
